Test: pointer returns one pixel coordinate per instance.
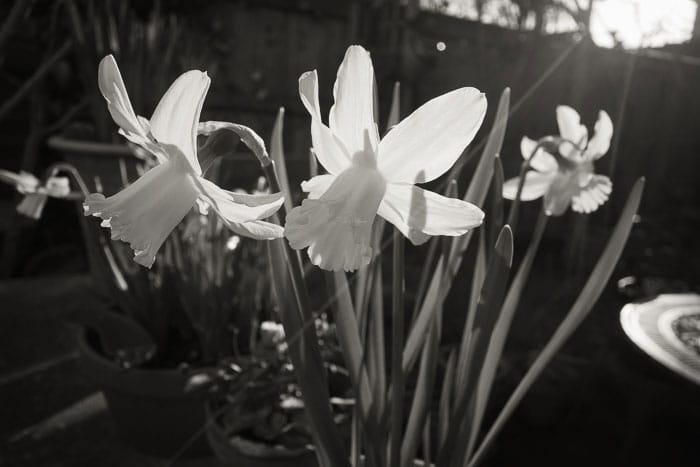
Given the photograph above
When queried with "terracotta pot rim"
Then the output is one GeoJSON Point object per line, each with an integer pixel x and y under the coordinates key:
{"type": "Point", "coordinates": [153, 382]}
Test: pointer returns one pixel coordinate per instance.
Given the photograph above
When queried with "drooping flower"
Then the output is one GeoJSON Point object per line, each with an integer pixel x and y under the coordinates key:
{"type": "Point", "coordinates": [35, 193]}
{"type": "Point", "coordinates": [368, 176]}
{"type": "Point", "coordinates": [566, 177]}
{"type": "Point", "coordinates": [144, 213]}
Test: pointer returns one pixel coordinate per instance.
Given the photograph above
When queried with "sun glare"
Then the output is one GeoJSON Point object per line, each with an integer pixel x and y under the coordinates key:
{"type": "Point", "coordinates": [642, 23]}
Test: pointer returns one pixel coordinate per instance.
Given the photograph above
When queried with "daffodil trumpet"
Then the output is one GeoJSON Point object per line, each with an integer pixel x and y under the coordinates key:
{"type": "Point", "coordinates": [562, 167]}
{"type": "Point", "coordinates": [144, 213]}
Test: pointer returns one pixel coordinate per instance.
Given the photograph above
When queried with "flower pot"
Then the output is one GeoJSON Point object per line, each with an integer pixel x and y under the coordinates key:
{"type": "Point", "coordinates": [237, 451]}
{"type": "Point", "coordinates": [149, 407]}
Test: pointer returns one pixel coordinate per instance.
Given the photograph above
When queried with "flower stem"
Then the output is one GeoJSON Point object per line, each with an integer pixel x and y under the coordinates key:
{"type": "Point", "coordinates": [397, 338]}
{"type": "Point", "coordinates": [309, 354]}
{"type": "Point", "coordinates": [515, 206]}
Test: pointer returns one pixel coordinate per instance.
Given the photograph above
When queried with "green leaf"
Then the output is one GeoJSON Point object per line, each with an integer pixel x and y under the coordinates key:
{"type": "Point", "coordinates": [308, 367]}
{"type": "Point", "coordinates": [353, 351]}
{"type": "Point", "coordinates": [442, 280]}
{"type": "Point", "coordinates": [477, 284]}
{"type": "Point", "coordinates": [494, 221]}
{"type": "Point", "coordinates": [376, 358]}
{"type": "Point", "coordinates": [394, 113]}
{"type": "Point", "coordinates": [423, 396]}
{"type": "Point", "coordinates": [500, 332]}
{"type": "Point", "coordinates": [589, 295]}
{"type": "Point", "coordinates": [446, 395]}
{"type": "Point", "coordinates": [277, 155]}
{"type": "Point", "coordinates": [485, 318]}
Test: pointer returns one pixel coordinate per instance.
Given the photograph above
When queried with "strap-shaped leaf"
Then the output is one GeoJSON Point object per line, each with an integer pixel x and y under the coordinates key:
{"type": "Point", "coordinates": [477, 283]}
{"type": "Point", "coordinates": [422, 399]}
{"type": "Point", "coordinates": [446, 395]}
{"type": "Point", "coordinates": [353, 352]}
{"type": "Point", "coordinates": [277, 155]}
{"type": "Point", "coordinates": [500, 332]}
{"type": "Point", "coordinates": [490, 300]}
{"type": "Point", "coordinates": [476, 194]}
{"type": "Point", "coordinates": [589, 295]}
{"type": "Point", "coordinates": [308, 367]}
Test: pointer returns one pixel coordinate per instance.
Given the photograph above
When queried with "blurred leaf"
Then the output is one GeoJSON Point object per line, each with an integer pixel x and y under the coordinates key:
{"type": "Point", "coordinates": [277, 155]}
{"type": "Point", "coordinates": [394, 112]}
{"type": "Point", "coordinates": [446, 395]}
{"type": "Point", "coordinates": [494, 221]}
{"type": "Point", "coordinates": [585, 301]}
{"type": "Point", "coordinates": [490, 300]}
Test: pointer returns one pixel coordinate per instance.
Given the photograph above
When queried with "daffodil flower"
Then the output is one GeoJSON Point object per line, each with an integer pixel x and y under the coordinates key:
{"type": "Point", "coordinates": [566, 178]}
{"type": "Point", "coordinates": [368, 176]}
{"type": "Point", "coordinates": [144, 213]}
{"type": "Point", "coordinates": [35, 194]}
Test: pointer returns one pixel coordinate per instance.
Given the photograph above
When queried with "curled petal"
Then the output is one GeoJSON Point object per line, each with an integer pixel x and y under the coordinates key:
{"type": "Point", "coordinates": [419, 213]}
{"type": "Point", "coordinates": [329, 150]}
{"type": "Point", "coordinates": [592, 195]}
{"type": "Point", "coordinates": [144, 213]}
{"type": "Point", "coordinates": [245, 134]}
{"type": "Point", "coordinates": [352, 116]}
{"type": "Point", "coordinates": [317, 186]}
{"type": "Point", "coordinates": [428, 142]}
{"type": "Point", "coordinates": [570, 127]}
{"type": "Point", "coordinates": [602, 134]}
{"type": "Point", "coordinates": [337, 226]}
{"type": "Point", "coordinates": [535, 186]}
{"type": "Point", "coordinates": [32, 205]}
{"type": "Point", "coordinates": [175, 119]}
{"type": "Point", "coordinates": [239, 208]}
{"type": "Point", "coordinates": [542, 160]}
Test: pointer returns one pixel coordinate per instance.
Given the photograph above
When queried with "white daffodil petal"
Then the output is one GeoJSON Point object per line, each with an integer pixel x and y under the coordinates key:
{"type": "Point", "coordinates": [32, 205]}
{"type": "Point", "coordinates": [337, 227]}
{"type": "Point", "coordinates": [329, 150]}
{"type": "Point", "coordinates": [176, 117]}
{"type": "Point", "coordinates": [111, 85]}
{"type": "Point", "coordinates": [429, 141]}
{"type": "Point", "coordinates": [570, 127]}
{"type": "Point", "coordinates": [317, 186]}
{"type": "Point", "coordinates": [420, 213]}
{"type": "Point", "coordinates": [56, 187]}
{"type": "Point", "coordinates": [238, 207]}
{"type": "Point", "coordinates": [602, 134]}
{"type": "Point", "coordinates": [542, 160]}
{"type": "Point", "coordinates": [352, 116]}
{"type": "Point", "coordinates": [593, 195]}
{"type": "Point", "coordinates": [144, 213]}
{"type": "Point", "coordinates": [24, 182]}
{"type": "Point", "coordinates": [535, 186]}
